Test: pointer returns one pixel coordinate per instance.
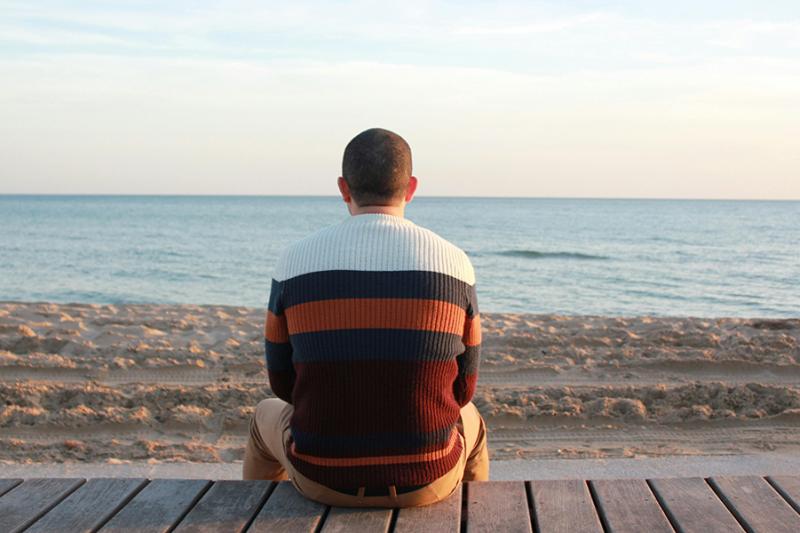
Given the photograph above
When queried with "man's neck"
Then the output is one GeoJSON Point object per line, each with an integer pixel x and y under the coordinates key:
{"type": "Point", "coordinates": [394, 210]}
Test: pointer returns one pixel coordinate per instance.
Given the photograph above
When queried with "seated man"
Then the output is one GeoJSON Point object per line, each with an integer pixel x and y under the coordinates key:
{"type": "Point", "coordinates": [372, 341]}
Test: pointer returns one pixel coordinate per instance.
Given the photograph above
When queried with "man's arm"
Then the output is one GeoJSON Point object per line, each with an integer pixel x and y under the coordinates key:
{"type": "Point", "coordinates": [468, 361]}
{"type": "Point", "coordinates": [277, 346]}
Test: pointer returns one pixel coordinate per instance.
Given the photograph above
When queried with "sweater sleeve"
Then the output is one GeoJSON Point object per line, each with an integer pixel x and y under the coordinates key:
{"type": "Point", "coordinates": [277, 346]}
{"type": "Point", "coordinates": [469, 359]}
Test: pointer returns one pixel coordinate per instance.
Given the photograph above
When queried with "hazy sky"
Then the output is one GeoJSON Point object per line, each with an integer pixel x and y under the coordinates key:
{"type": "Point", "coordinates": [581, 98]}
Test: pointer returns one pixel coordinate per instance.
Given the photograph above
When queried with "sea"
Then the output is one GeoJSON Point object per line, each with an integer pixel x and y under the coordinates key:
{"type": "Point", "coordinates": [566, 256]}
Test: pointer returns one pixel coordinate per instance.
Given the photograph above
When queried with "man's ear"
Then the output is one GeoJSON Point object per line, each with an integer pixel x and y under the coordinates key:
{"type": "Point", "coordinates": [412, 188]}
{"type": "Point", "coordinates": [344, 189]}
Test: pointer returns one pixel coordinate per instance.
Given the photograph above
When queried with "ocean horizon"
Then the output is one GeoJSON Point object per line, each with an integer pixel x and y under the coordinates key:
{"type": "Point", "coordinates": [574, 256]}
{"type": "Point", "coordinates": [416, 198]}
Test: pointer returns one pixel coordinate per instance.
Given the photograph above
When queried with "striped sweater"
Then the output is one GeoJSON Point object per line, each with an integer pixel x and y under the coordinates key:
{"type": "Point", "coordinates": [373, 334]}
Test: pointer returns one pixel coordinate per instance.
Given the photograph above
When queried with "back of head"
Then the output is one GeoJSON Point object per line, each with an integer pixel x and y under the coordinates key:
{"type": "Point", "coordinates": [377, 167]}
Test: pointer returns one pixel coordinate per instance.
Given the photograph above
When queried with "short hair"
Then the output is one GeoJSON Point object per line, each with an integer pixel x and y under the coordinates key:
{"type": "Point", "coordinates": [377, 166]}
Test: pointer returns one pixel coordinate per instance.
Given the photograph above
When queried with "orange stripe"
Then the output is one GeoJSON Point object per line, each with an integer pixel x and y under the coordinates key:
{"type": "Point", "coordinates": [275, 328]}
{"type": "Point", "coordinates": [472, 331]}
{"type": "Point", "coordinates": [376, 313]}
{"type": "Point", "coordinates": [379, 460]}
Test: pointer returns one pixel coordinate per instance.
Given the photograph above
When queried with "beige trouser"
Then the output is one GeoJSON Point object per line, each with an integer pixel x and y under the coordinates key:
{"type": "Point", "coordinates": [265, 458]}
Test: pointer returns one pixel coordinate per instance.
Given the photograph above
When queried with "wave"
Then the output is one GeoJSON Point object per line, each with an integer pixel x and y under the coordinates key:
{"type": "Point", "coordinates": [536, 254]}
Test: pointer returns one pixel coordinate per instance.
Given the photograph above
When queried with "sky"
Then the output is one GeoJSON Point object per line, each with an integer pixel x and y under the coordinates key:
{"type": "Point", "coordinates": [679, 99]}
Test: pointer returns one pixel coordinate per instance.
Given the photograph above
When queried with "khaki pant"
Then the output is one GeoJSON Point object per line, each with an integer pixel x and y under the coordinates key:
{"type": "Point", "coordinates": [265, 458]}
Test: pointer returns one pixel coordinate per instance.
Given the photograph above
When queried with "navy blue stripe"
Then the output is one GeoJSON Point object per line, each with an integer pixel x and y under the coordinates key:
{"type": "Point", "coordinates": [279, 356]}
{"type": "Point", "coordinates": [468, 362]}
{"type": "Point", "coordinates": [472, 301]}
{"type": "Point", "coordinates": [375, 344]}
{"type": "Point", "coordinates": [369, 444]}
{"type": "Point", "coordinates": [275, 305]}
{"type": "Point", "coordinates": [335, 284]}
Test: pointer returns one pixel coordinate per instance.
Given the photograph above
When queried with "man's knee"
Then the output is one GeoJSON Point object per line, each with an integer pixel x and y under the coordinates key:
{"type": "Point", "coordinates": [475, 442]}
{"type": "Point", "coordinates": [264, 419]}
{"type": "Point", "coordinates": [474, 426]}
{"type": "Point", "coordinates": [265, 456]}
{"type": "Point", "coordinates": [271, 412]}
{"type": "Point", "coordinates": [270, 405]}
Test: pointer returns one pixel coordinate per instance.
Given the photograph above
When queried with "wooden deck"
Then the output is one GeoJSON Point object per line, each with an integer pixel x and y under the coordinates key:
{"type": "Point", "coordinates": [758, 504]}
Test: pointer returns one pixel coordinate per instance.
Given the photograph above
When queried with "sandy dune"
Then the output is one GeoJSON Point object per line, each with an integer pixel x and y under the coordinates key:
{"type": "Point", "coordinates": [178, 383]}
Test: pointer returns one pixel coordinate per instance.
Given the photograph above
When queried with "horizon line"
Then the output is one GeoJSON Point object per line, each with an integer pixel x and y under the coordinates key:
{"type": "Point", "coordinates": [211, 195]}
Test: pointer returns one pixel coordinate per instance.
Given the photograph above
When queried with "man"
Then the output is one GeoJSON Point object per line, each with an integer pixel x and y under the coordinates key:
{"type": "Point", "coordinates": [372, 342]}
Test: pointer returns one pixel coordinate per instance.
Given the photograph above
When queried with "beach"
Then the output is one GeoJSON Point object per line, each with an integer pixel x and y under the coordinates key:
{"type": "Point", "coordinates": [178, 383]}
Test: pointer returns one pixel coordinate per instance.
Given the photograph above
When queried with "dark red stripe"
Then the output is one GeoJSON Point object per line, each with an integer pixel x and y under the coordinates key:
{"type": "Point", "coordinates": [388, 396]}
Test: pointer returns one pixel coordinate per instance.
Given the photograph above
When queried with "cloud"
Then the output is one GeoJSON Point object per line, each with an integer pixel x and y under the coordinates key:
{"type": "Point", "coordinates": [545, 26]}
{"type": "Point", "coordinates": [516, 36]}
{"type": "Point", "coordinates": [780, 37]}
{"type": "Point", "coordinates": [541, 98]}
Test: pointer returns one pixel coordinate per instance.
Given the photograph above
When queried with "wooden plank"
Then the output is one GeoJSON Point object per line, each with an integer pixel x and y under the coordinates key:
{"type": "Point", "coordinates": [8, 484]}
{"type": "Point", "coordinates": [628, 505]}
{"type": "Point", "coordinates": [159, 506]}
{"type": "Point", "coordinates": [347, 519]}
{"type": "Point", "coordinates": [90, 506]}
{"type": "Point", "coordinates": [691, 505]}
{"type": "Point", "coordinates": [498, 506]}
{"type": "Point", "coordinates": [444, 516]}
{"type": "Point", "coordinates": [287, 510]}
{"type": "Point", "coordinates": [564, 506]}
{"type": "Point", "coordinates": [789, 488]}
{"type": "Point", "coordinates": [227, 506]}
{"type": "Point", "coordinates": [31, 500]}
{"type": "Point", "coordinates": [756, 504]}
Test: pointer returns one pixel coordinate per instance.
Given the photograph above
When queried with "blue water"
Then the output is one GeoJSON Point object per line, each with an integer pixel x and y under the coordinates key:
{"type": "Point", "coordinates": [611, 257]}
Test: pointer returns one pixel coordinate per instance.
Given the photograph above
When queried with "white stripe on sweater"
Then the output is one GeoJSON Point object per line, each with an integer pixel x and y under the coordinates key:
{"type": "Point", "coordinates": [374, 242]}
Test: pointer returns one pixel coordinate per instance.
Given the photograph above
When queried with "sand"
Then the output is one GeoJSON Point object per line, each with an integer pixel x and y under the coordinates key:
{"type": "Point", "coordinates": [159, 383]}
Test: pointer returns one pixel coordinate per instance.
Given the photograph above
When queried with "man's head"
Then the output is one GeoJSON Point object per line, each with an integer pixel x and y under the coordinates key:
{"type": "Point", "coordinates": [376, 170]}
